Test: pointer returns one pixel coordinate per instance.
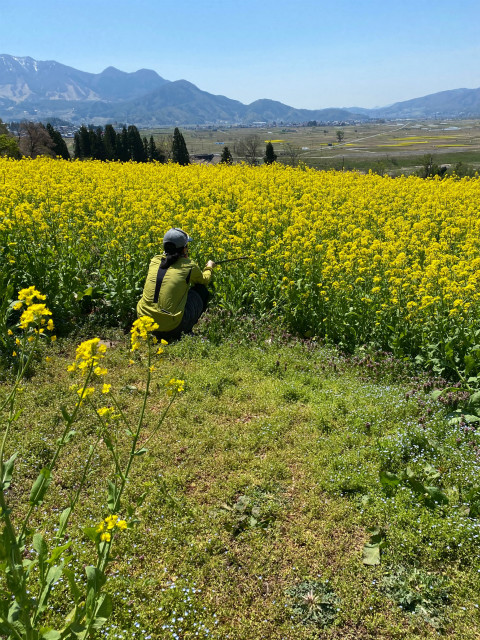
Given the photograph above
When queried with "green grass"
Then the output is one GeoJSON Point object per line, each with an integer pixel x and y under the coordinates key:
{"type": "Point", "coordinates": [263, 484]}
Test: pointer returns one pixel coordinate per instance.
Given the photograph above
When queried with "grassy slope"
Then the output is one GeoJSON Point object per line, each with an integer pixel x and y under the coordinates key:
{"type": "Point", "coordinates": [302, 433]}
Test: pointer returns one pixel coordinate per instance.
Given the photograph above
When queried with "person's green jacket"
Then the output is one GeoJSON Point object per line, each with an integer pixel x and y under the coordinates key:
{"type": "Point", "coordinates": [168, 311]}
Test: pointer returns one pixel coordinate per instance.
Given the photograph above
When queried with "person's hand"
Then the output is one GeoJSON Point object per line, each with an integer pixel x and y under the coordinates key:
{"type": "Point", "coordinates": [210, 264]}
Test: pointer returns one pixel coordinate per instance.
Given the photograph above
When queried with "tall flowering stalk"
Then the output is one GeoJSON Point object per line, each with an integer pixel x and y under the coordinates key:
{"type": "Point", "coordinates": [27, 583]}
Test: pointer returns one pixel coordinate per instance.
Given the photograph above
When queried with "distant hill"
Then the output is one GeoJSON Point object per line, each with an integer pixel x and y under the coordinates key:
{"type": "Point", "coordinates": [456, 103]}
{"type": "Point", "coordinates": [31, 89]}
{"type": "Point", "coordinates": [29, 80]}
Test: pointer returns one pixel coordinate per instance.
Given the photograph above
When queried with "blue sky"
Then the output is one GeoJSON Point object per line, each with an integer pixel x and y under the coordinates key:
{"type": "Point", "coordinates": [310, 54]}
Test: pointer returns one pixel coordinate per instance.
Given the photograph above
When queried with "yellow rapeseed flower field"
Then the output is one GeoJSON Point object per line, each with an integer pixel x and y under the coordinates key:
{"type": "Point", "coordinates": [348, 257]}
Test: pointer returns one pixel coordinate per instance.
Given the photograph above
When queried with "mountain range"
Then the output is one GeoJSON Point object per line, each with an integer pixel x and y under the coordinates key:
{"type": "Point", "coordinates": [38, 90]}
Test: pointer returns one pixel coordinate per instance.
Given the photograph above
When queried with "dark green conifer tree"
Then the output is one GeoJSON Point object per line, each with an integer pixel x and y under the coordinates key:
{"type": "Point", "coordinates": [135, 144]}
{"type": "Point", "coordinates": [110, 142]}
{"type": "Point", "coordinates": [179, 148]}
{"type": "Point", "coordinates": [59, 145]}
{"type": "Point", "coordinates": [226, 156]}
{"type": "Point", "coordinates": [84, 144]}
{"type": "Point", "coordinates": [123, 152]}
{"type": "Point", "coordinates": [97, 144]}
{"type": "Point", "coordinates": [270, 155]}
{"type": "Point", "coordinates": [77, 147]}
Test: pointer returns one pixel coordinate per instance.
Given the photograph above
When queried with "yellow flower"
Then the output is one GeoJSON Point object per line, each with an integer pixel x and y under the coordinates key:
{"type": "Point", "coordinates": [103, 412]}
{"type": "Point", "coordinates": [106, 388]}
{"type": "Point", "coordinates": [88, 355]}
{"type": "Point", "coordinates": [33, 314]}
{"type": "Point", "coordinates": [85, 393]}
{"type": "Point", "coordinates": [122, 525]}
{"type": "Point", "coordinates": [100, 371]}
{"type": "Point", "coordinates": [175, 386]}
{"type": "Point", "coordinates": [111, 521]}
{"type": "Point", "coordinates": [29, 294]}
{"type": "Point", "coordinates": [105, 536]}
{"type": "Point", "coordinates": [141, 329]}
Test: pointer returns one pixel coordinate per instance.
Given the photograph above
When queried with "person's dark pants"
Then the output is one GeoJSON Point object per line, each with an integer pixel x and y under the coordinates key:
{"type": "Point", "coordinates": [197, 301]}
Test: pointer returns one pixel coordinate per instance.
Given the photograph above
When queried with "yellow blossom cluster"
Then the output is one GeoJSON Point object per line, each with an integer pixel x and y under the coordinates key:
{"type": "Point", "coordinates": [141, 329]}
{"type": "Point", "coordinates": [34, 313]}
{"type": "Point", "coordinates": [106, 527]}
{"type": "Point", "coordinates": [88, 355]}
{"type": "Point", "coordinates": [175, 386]}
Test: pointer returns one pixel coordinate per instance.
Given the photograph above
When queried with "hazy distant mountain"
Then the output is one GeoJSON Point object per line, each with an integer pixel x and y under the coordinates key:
{"type": "Point", "coordinates": [28, 80]}
{"type": "Point", "coordinates": [456, 103]}
{"type": "Point", "coordinates": [182, 102]}
{"type": "Point", "coordinates": [37, 90]}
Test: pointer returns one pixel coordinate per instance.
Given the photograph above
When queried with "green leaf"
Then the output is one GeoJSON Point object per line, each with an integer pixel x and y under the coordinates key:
{"type": "Point", "coordinates": [70, 435]}
{"type": "Point", "coordinates": [416, 486]}
{"type": "Point", "coordinates": [371, 554]}
{"type": "Point", "coordinates": [41, 548]}
{"type": "Point", "coordinates": [104, 610]}
{"type": "Point", "coordinates": [431, 471]}
{"type": "Point", "coordinates": [437, 393]}
{"type": "Point", "coordinates": [40, 486]}
{"type": "Point", "coordinates": [49, 634]}
{"type": "Point", "coordinates": [91, 533]}
{"type": "Point", "coordinates": [53, 575]}
{"type": "Point", "coordinates": [57, 552]}
{"type": "Point", "coordinates": [8, 472]}
{"type": "Point", "coordinates": [140, 452]}
{"type": "Point", "coordinates": [437, 496]}
{"type": "Point", "coordinates": [74, 590]}
{"type": "Point", "coordinates": [78, 630]}
{"type": "Point", "coordinates": [470, 363]}
{"type": "Point", "coordinates": [474, 399]}
{"type": "Point", "coordinates": [40, 545]}
{"type": "Point", "coordinates": [389, 479]}
{"type": "Point", "coordinates": [95, 581]}
{"type": "Point", "coordinates": [66, 416]}
{"type": "Point", "coordinates": [377, 538]}
{"type": "Point", "coordinates": [64, 519]}
{"type": "Point", "coordinates": [112, 497]}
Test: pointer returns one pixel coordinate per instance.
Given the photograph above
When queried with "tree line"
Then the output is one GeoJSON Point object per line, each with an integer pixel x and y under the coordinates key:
{"type": "Point", "coordinates": [97, 143]}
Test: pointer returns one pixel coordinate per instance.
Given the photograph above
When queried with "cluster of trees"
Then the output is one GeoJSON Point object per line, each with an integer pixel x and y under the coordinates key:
{"type": "Point", "coordinates": [106, 143]}
{"type": "Point", "coordinates": [33, 139]}
{"type": "Point", "coordinates": [8, 144]}
{"type": "Point", "coordinates": [100, 143]}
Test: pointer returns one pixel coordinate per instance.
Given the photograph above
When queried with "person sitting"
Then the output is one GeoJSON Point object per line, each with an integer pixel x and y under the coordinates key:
{"type": "Point", "coordinates": [175, 293]}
